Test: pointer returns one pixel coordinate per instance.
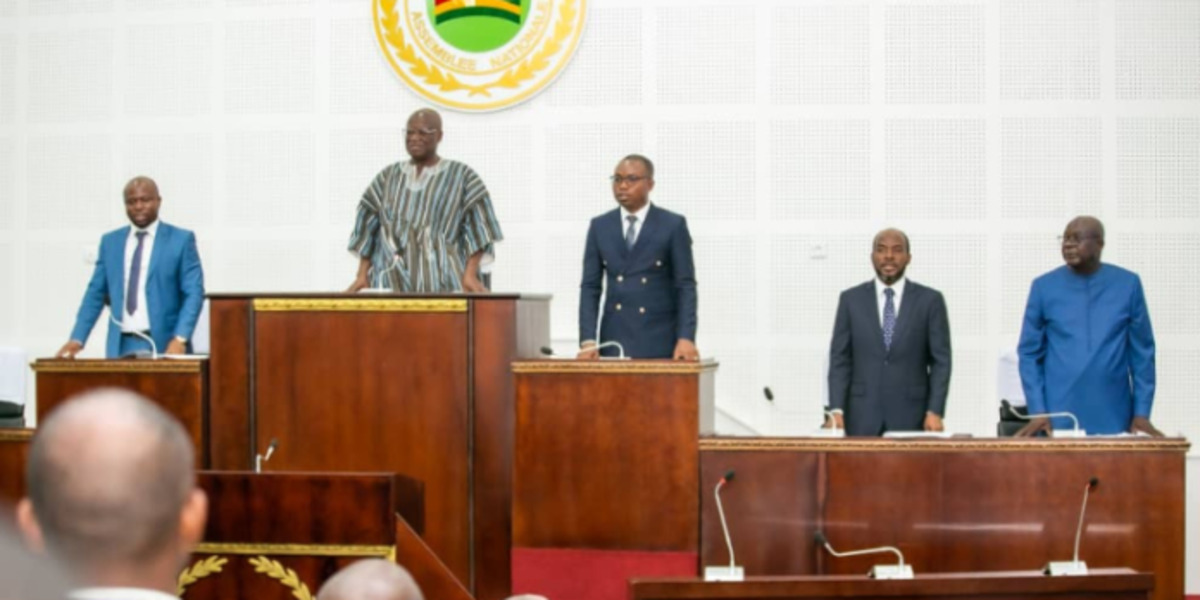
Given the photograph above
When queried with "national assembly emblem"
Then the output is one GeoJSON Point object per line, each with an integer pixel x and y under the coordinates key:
{"type": "Point", "coordinates": [478, 55]}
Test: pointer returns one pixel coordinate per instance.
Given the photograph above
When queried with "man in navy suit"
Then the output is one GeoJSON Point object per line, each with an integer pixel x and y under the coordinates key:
{"type": "Point", "coordinates": [889, 362]}
{"type": "Point", "coordinates": [643, 255]}
{"type": "Point", "coordinates": [150, 274]}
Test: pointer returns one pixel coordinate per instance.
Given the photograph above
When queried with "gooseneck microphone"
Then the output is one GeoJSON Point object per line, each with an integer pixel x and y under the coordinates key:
{"type": "Point", "coordinates": [611, 344]}
{"type": "Point", "coordinates": [732, 572]}
{"type": "Point", "coordinates": [153, 346]}
{"type": "Point", "coordinates": [896, 571]}
{"type": "Point", "coordinates": [260, 459]}
{"type": "Point", "coordinates": [1076, 432]}
{"type": "Point", "coordinates": [1075, 566]}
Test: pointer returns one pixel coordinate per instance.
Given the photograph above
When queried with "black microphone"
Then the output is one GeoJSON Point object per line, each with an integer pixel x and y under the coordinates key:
{"type": "Point", "coordinates": [732, 572]}
{"type": "Point", "coordinates": [1075, 566]}
{"type": "Point", "coordinates": [896, 571]}
{"type": "Point", "coordinates": [769, 394]}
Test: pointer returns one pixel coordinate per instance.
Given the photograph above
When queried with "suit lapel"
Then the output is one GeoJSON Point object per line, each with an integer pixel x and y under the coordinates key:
{"type": "Point", "coordinates": [160, 242]}
{"type": "Point", "coordinates": [644, 229]}
{"type": "Point", "coordinates": [872, 302]}
{"type": "Point", "coordinates": [908, 305]}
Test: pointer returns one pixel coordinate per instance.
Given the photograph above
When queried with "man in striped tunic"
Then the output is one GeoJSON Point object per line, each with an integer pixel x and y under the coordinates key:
{"type": "Point", "coordinates": [424, 224]}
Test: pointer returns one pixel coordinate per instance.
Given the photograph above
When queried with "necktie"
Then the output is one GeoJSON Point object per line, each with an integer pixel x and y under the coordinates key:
{"type": "Point", "coordinates": [631, 232]}
{"type": "Point", "coordinates": [889, 318]}
{"type": "Point", "coordinates": [135, 273]}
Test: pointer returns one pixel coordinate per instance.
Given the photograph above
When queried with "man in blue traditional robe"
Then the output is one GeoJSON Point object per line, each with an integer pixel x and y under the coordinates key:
{"type": "Point", "coordinates": [1087, 347]}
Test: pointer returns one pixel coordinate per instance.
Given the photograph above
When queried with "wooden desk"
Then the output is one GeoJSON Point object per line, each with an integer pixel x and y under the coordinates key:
{"type": "Point", "coordinates": [14, 451]}
{"type": "Point", "coordinates": [1107, 584]}
{"type": "Point", "coordinates": [280, 536]}
{"type": "Point", "coordinates": [179, 386]}
{"type": "Point", "coordinates": [950, 505]}
{"type": "Point", "coordinates": [414, 384]}
{"type": "Point", "coordinates": [606, 468]}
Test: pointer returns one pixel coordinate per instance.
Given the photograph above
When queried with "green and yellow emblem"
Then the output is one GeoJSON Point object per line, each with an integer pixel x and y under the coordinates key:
{"type": "Point", "coordinates": [478, 55]}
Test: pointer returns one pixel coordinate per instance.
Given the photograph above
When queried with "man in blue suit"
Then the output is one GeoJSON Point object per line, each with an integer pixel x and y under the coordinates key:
{"type": "Point", "coordinates": [643, 256]}
{"type": "Point", "coordinates": [150, 273]}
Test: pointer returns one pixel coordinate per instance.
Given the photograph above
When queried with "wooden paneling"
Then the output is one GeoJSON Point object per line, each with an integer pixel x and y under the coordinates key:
{"type": "Point", "coordinates": [229, 365]}
{"type": "Point", "coordinates": [1117, 584]}
{"type": "Point", "coordinates": [411, 383]}
{"type": "Point", "coordinates": [180, 387]}
{"type": "Point", "coordinates": [14, 452]}
{"type": "Point", "coordinates": [277, 535]}
{"type": "Point", "coordinates": [606, 455]}
{"type": "Point", "coordinates": [372, 391]}
{"type": "Point", "coordinates": [494, 327]}
{"type": "Point", "coordinates": [283, 508]}
{"type": "Point", "coordinates": [949, 505]}
{"type": "Point", "coordinates": [770, 506]}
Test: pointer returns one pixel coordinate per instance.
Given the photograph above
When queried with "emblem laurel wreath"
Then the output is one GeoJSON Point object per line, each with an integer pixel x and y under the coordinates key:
{"type": "Point", "coordinates": [203, 568]}
{"type": "Point", "coordinates": [447, 82]}
{"type": "Point", "coordinates": [287, 577]}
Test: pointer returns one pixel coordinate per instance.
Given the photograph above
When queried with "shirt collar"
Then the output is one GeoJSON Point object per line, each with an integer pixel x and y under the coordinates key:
{"type": "Point", "coordinates": [898, 286]}
{"type": "Point", "coordinates": [151, 229]}
{"type": "Point", "coordinates": [640, 214]}
{"type": "Point", "coordinates": [113, 593]}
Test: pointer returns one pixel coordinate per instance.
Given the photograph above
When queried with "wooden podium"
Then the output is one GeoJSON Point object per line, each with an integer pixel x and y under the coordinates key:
{"type": "Point", "coordinates": [412, 384]}
{"type": "Point", "coordinates": [1106, 584]}
{"type": "Point", "coordinates": [14, 451]}
{"type": "Point", "coordinates": [179, 386]}
{"type": "Point", "coordinates": [951, 505]}
{"type": "Point", "coordinates": [280, 536]}
{"type": "Point", "coordinates": [605, 484]}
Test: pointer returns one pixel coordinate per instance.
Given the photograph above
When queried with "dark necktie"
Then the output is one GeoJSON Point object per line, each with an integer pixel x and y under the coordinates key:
{"type": "Point", "coordinates": [631, 232]}
{"type": "Point", "coordinates": [135, 273]}
{"type": "Point", "coordinates": [889, 318]}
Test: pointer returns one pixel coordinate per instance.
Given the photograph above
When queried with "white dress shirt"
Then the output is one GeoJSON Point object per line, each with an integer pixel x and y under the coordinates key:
{"type": "Point", "coordinates": [114, 593]}
{"type": "Point", "coordinates": [140, 320]}
{"type": "Point", "coordinates": [881, 298]}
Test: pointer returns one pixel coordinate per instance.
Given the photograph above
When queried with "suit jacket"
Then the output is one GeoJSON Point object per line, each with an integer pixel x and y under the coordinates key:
{"type": "Point", "coordinates": [889, 390]}
{"type": "Point", "coordinates": [174, 288]}
{"type": "Point", "coordinates": [650, 291]}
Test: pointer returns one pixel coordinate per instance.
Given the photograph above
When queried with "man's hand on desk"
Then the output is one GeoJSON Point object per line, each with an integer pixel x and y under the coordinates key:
{"type": "Point", "coordinates": [834, 421]}
{"type": "Point", "coordinates": [588, 351]}
{"type": "Point", "coordinates": [359, 283]}
{"type": "Point", "coordinates": [176, 347]}
{"type": "Point", "coordinates": [685, 350]}
{"type": "Point", "coordinates": [933, 422]}
{"type": "Point", "coordinates": [1142, 425]}
{"type": "Point", "coordinates": [69, 349]}
{"type": "Point", "coordinates": [1036, 425]}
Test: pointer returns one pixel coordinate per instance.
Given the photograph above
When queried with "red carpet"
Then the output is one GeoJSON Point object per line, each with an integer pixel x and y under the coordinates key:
{"type": "Point", "coordinates": [572, 574]}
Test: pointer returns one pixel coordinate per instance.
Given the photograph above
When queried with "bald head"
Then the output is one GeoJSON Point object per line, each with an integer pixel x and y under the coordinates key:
{"type": "Point", "coordinates": [1087, 225]}
{"type": "Point", "coordinates": [109, 477]}
{"type": "Point", "coordinates": [892, 232]}
{"type": "Point", "coordinates": [371, 579]}
{"type": "Point", "coordinates": [1082, 244]}
{"type": "Point", "coordinates": [428, 116]}
{"type": "Point", "coordinates": [141, 181]}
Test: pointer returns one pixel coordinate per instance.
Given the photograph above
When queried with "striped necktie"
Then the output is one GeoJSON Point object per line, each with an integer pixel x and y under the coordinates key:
{"type": "Point", "coordinates": [889, 318]}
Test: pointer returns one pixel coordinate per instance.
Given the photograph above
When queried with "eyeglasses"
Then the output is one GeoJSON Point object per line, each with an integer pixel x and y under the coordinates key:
{"type": "Point", "coordinates": [1075, 240]}
{"type": "Point", "coordinates": [630, 179]}
{"type": "Point", "coordinates": [420, 132]}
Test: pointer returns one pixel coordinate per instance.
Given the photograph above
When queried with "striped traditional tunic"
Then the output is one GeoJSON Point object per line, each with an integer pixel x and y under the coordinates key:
{"type": "Point", "coordinates": [419, 231]}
